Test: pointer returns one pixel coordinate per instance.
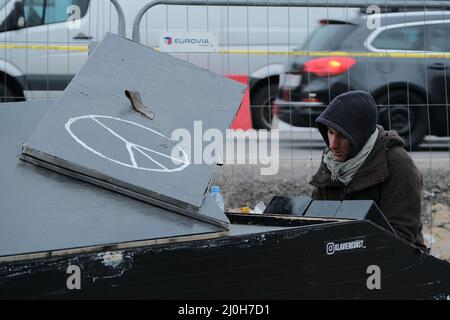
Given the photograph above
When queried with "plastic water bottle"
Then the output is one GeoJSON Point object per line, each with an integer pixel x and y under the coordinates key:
{"type": "Point", "coordinates": [215, 193]}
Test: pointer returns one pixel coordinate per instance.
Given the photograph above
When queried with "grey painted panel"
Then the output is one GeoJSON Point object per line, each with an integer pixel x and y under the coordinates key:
{"type": "Point", "coordinates": [208, 212]}
{"type": "Point", "coordinates": [92, 129]}
{"type": "Point", "coordinates": [41, 210]}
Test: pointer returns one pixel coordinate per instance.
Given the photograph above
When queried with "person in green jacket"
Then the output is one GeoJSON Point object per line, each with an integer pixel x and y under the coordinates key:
{"type": "Point", "coordinates": [363, 161]}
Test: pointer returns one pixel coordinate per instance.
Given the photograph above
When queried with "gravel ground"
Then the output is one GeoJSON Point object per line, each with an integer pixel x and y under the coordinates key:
{"type": "Point", "coordinates": [242, 185]}
{"type": "Point", "coordinates": [436, 212]}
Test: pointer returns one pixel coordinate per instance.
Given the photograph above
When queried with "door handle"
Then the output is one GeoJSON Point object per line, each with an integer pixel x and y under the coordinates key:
{"type": "Point", "coordinates": [82, 36]}
{"type": "Point", "coordinates": [437, 66]}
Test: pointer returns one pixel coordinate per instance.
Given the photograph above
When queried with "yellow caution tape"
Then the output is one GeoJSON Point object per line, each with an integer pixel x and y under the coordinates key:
{"type": "Point", "coordinates": [420, 55]}
{"type": "Point", "coordinates": [44, 47]}
{"type": "Point", "coordinates": [437, 55]}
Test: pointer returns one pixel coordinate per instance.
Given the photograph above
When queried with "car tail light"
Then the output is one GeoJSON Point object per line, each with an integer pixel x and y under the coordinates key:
{"type": "Point", "coordinates": [310, 100]}
{"type": "Point", "coordinates": [329, 66]}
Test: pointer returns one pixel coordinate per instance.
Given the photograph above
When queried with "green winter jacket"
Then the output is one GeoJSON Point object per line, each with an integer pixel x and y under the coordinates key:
{"type": "Point", "coordinates": [390, 178]}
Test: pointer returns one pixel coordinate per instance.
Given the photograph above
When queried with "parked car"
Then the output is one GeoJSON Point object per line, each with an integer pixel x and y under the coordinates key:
{"type": "Point", "coordinates": [404, 63]}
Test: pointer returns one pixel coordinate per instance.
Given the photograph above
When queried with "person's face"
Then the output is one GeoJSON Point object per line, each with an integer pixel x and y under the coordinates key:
{"type": "Point", "coordinates": [339, 145]}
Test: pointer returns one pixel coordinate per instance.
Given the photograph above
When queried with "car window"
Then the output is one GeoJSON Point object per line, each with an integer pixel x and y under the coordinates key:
{"type": "Point", "coordinates": [56, 10]}
{"type": "Point", "coordinates": [437, 37]}
{"type": "Point", "coordinates": [328, 37]}
{"type": "Point", "coordinates": [402, 38]}
{"type": "Point", "coordinates": [15, 19]}
{"type": "Point", "coordinates": [34, 12]}
{"type": "Point", "coordinates": [2, 4]}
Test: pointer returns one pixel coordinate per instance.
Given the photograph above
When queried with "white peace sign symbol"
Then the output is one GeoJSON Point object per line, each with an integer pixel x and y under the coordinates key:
{"type": "Point", "coordinates": [131, 147]}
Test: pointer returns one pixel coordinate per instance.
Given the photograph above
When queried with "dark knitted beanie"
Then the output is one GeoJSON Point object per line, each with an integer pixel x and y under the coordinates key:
{"type": "Point", "coordinates": [354, 114]}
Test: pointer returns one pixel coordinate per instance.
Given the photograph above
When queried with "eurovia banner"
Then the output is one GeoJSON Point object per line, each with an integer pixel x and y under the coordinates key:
{"type": "Point", "coordinates": [183, 42]}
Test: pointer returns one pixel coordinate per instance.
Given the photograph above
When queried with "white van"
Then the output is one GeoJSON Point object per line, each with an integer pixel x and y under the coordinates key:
{"type": "Point", "coordinates": [40, 51]}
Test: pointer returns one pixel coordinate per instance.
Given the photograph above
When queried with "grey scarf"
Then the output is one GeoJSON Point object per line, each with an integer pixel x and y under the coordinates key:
{"type": "Point", "coordinates": [344, 171]}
